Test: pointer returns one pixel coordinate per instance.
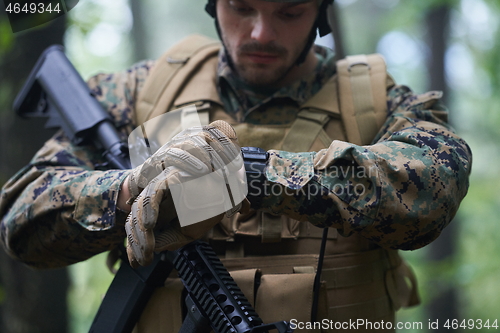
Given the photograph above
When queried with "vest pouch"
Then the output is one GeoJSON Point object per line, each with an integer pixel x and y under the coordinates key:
{"type": "Point", "coordinates": [275, 294]}
{"type": "Point", "coordinates": [266, 226]}
{"type": "Point", "coordinates": [285, 288]}
{"type": "Point", "coordinates": [163, 312]}
{"type": "Point", "coordinates": [401, 286]}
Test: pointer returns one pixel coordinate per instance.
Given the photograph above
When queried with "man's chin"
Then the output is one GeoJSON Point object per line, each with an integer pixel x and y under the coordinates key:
{"type": "Point", "coordinates": [258, 81]}
{"type": "Point", "coordinates": [261, 76]}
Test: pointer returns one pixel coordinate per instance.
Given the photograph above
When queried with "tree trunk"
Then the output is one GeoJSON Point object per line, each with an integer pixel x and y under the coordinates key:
{"type": "Point", "coordinates": [444, 305]}
{"type": "Point", "coordinates": [30, 301]}
{"type": "Point", "coordinates": [337, 33]}
{"type": "Point", "coordinates": [139, 31]}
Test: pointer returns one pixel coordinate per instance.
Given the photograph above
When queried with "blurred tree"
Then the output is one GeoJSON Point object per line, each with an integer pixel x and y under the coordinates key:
{"type": "Point", "coordinates": [337, 32]}
{"type": "Point", "coordinates": [443, 305]}
{"type": "Point", "coordinates": [32, 301]}
{"type": "Point", "coordinates": [138, 31]}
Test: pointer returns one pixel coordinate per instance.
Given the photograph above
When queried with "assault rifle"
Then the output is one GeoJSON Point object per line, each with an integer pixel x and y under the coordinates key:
{"type": "Point", "coordinates": [54, 89]}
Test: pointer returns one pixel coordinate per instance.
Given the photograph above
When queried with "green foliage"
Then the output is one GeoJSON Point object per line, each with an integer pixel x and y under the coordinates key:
{"type": "Point", "coordinates": [479, 247]}
{"type": "Point", "coordinates": [87, 15]}
{"type": "Point", "coordinates": [97, 38]}
{"type": "Point", "coordinates": [90, 280]}
{"type": "Point", "coordinates": [474, 105]}
{"type": "Point", "coordinates": [6, 37]}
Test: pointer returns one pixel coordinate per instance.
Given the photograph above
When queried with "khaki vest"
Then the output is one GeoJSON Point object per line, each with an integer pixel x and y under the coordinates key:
{"type": "Point", "coordinates": [361, 281]}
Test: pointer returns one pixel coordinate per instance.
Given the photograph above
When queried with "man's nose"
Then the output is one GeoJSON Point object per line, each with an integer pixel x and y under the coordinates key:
{"type": "Point", "coordinates": [263, 29]}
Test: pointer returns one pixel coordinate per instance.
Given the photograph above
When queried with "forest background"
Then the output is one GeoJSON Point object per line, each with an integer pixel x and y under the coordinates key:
{"type": "Point", "coordinates": [449, 45]}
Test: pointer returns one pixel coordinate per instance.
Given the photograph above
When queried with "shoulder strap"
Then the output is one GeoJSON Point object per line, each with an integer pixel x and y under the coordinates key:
{"type": "Point", "coordinates": [312, 116]}
{"type": "Point", "coordinates": [173, 69]}
{"type": "Point", "coordinates": [362, 95]}
{"type": "Point", "coordinates": [357, 94]}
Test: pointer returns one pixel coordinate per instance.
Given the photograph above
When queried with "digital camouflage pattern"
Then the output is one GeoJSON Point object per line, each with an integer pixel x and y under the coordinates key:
{"type": "Point", "coordinates": [399, 192]}
{"type": "Point", "coordinates": [59, 210]}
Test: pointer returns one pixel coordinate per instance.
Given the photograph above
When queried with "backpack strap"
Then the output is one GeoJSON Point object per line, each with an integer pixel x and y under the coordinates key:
{"type": "Point", "coordinates": [362, 94]}
{"type": "Point", "coordinates": [312, 116]}
{"type": "Point", "coordinates": [173, 69]}
{"type": "Point", "coordinates": [357, 94]}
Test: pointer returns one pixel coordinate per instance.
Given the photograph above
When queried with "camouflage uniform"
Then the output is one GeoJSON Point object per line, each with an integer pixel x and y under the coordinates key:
{"type": "Point", "coordinates": [398, 193]}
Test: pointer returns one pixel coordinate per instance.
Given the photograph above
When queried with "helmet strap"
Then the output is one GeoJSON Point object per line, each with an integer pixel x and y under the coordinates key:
{"type": "Point", "coordinates": [211, 10]}
{"type": "Point", "coordinates": [321, 24]}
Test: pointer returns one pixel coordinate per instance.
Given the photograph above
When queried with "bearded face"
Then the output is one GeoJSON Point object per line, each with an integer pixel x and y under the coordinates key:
{"type": "Point", "coordinates": [264, 39]}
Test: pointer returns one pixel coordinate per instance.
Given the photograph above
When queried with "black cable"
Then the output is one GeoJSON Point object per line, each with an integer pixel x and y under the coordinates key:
{"type": "Point", "coordinates": [317, 279]}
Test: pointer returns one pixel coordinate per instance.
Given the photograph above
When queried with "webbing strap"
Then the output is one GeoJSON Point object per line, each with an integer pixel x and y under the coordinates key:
{"type": "Point", "coordinates": [375, 309]}
{"type": "Point", "coordinates": [271, 228]}
{"type": "Point", "coordinates": [304, 270]}
{"type": "Point", "coordinates": [362, 84]}
{"type": "Point", "coordinates": [194, 117]}
{"type": "Point", "coordinates": [189, 117]}
{"type": "Point", "coordinates": [235, 249]}
{"type": "Point", "coordinates": [354, 275]}
{"type": "Point", "coordinates": [304, 131]}
{"type": "Point", "coordinates": [313, 115]}
{"type": "Point", "coordinates": [401, 283]}
{"type": "Point", "coordinates": [363, 97]}
{"type": "Point", "coordinates": [172, 69]}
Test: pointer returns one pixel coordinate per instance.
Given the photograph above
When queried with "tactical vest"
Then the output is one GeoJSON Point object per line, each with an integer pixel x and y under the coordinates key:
{"type": "Point", "coordinates": [360, 280]}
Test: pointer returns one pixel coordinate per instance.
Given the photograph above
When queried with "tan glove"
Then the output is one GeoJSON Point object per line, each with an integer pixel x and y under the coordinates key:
{"type": "Point", "coordinates": [152, 224]}
{"type": "Point", "coordinates": [219, 135]}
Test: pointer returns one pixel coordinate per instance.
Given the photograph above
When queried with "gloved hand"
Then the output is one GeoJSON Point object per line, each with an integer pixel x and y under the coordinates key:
{"type": "Point", "coordinates": [153, 224]}
{"type": "Point", "coordinates": [219, 135]}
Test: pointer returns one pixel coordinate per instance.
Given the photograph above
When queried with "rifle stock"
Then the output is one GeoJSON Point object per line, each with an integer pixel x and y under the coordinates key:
{"type": "Point", "coordinates": [54, 89]}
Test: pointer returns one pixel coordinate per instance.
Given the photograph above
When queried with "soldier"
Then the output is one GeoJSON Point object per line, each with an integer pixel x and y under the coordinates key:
{"type": "Point", "coordinates": [348, 149]}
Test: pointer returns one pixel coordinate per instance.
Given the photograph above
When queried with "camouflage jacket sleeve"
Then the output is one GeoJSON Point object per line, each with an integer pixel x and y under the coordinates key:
{"type": "Point", "coordinates": [399, 192]}
{"type": "Point", "coordinates": [59, 210]}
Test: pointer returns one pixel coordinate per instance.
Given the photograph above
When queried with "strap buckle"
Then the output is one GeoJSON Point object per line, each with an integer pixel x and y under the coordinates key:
{"type": "Point", "coordinates": [357, 63]}
{"type": "Point", "coordinates": [171, 60]}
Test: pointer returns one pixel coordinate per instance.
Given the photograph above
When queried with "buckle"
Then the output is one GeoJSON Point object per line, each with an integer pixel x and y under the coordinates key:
{"type": "Point", "coordinates": [357, 63]}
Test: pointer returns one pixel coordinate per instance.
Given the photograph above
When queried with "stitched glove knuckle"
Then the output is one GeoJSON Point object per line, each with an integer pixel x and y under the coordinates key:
{"type": "Point", "coordinates": [186, 161]}
{"type": "Point", "coordinates": [152, 224]}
